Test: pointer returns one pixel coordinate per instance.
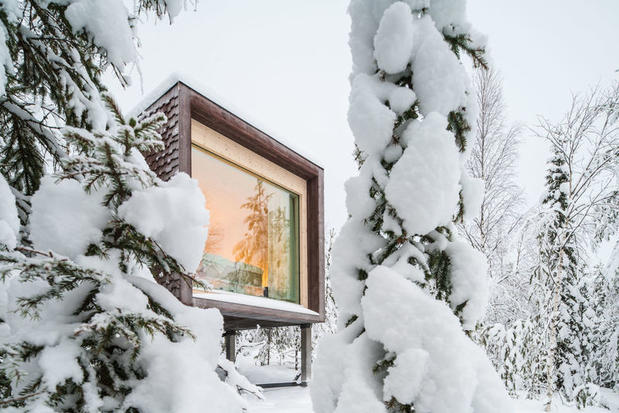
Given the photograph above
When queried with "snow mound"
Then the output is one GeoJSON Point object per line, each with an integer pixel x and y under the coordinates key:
{"type": "Point", "coordinates": [439, 79]}
{"type": "Point", "coordinates": [469, 282]}
{"type": "Point", "coordinates": [424, 185]}
{"type": "Point", "coordinates": [173, 215]}
{"type": "Point", "coordinates": [393, 43]}
{"type": "Point", "coordinates": [174, 383]}
{"type": "Point", "coordinates": [370, 119]}
{"type": "Point", "coordinates": [473, 190]}
{"type": "Point", "coordinates": [401, 99]}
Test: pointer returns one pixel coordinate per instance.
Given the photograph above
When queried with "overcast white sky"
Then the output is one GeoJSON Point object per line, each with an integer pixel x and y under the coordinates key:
{"type": "Point", "coordinates": [284, 64]}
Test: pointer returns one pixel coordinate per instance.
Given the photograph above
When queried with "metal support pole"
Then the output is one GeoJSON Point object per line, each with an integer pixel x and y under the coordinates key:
{"type": "Point", "coordinates": [306, 353]}
{"type": "Point", "coordinates": [230, 340]}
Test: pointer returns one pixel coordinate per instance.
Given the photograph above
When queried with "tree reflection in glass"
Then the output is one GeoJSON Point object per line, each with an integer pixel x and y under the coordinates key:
{"type": "Point", "coordinates": [254, 247]}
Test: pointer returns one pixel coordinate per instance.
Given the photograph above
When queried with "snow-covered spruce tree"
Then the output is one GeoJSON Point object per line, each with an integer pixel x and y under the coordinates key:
{"type": "Point", "coordinates": [596, 289]}
{"type": "Point", "coordinates": [517, 353]}
{"type": "Point", "coordinates": [605, 303]}
{"type": "Point", "coordinates": [406, 287]}
{"type": "Point", "coordinates": [79, 329]}
{"type": "Point", "coordinates": [83, 325]}
{"type": "Point", "coordinates": [582, 209]}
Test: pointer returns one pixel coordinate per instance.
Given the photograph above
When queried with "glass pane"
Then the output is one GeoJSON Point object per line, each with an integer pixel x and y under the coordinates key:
{"type": "Point", "coordinates": [252, 247]}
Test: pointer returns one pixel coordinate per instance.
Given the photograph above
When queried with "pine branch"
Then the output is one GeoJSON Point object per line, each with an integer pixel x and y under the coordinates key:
{"type": "Point", "coordinates": [463, 42]}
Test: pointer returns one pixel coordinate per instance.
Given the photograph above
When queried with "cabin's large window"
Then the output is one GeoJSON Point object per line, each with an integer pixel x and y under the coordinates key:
{"type": "Point", "coordinates": [253, 241]}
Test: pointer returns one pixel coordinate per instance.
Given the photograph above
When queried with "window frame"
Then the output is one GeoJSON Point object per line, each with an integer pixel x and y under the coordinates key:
{"type": "Point", "coordinates": [220, 147]}
{"type": "Point", "coordinates": [181, 104]}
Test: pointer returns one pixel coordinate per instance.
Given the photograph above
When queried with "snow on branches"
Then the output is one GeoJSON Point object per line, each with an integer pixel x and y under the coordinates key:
{"type": "Point", "coordinates": [52, 57]}
{"type": "Point", "coordinates": [581, 204]}
{"type": "Point", "coordinates": [83, 325]}
{"type": "Point", "coordinates": [405, 285]}
{"type": "Point", "coordinates": [86, 228]}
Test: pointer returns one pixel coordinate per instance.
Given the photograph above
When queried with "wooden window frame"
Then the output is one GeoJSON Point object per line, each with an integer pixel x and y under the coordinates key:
{"type": "Point", "coordinates": [193, 105]}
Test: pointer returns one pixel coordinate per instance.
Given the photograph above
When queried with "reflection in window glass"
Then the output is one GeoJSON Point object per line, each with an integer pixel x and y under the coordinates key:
{"type": "Point", "coordinates": [252, 246]}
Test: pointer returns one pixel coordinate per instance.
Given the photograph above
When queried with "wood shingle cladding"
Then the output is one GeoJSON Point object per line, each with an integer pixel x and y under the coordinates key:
{"type": "Point", "coordinates": [181, 104]}
{"type": "Point", "coordinates": [166, 163]}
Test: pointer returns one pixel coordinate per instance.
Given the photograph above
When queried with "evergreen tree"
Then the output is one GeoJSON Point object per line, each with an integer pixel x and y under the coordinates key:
{"type": "Point", "coordinates": [581, 209]}
{"type": "Point", "coordinates": [88, 325]}
{"type": "Point", "coordinates": [517, 353]}
{"type": "Point", "coordinates": [80, 328]}
{"type": "Point", "coordinates": [604, 304]}
{"type": "Point", "coordinates": [405, 285]}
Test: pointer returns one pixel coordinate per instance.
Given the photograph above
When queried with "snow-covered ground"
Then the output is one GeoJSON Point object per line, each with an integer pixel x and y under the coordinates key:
{"type": "Point", "coordinates": [282, 400]}
{"type": "Point", "coordinates": [297, 400]}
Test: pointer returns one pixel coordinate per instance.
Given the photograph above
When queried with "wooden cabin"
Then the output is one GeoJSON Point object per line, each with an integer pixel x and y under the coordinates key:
{"type": "Point", "coordinates": [264, 258]}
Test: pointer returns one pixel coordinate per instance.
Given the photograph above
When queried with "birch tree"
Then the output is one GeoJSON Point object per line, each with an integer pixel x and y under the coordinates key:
{"type": "Point", "coordinates": [582, 207]}
{"type": "Point", "coordinates": [493, 159]}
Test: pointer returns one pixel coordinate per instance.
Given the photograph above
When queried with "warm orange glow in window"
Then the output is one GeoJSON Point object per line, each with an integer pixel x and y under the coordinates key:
{"type": "Point", "coordinates": [253, 241]}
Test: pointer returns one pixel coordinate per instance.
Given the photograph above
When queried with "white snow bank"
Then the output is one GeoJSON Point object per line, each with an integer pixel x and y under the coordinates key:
{"type": "Point", "coordinates": [297, 400]}
{"type": "Point", "coordinates": [264, 374]}
{"type": "Point", "coordinates": [455, 377]}
{"type": "Point", "coordinates": [9, 221]}
{"type": "Point", "coordinates": [281, 400]}
{"type": "Point", "coordinates": [424, 184]}
{"type": "Point", "coordinates": [172, 214]}
{"type": "Point", "coordinates": [65, 219]}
